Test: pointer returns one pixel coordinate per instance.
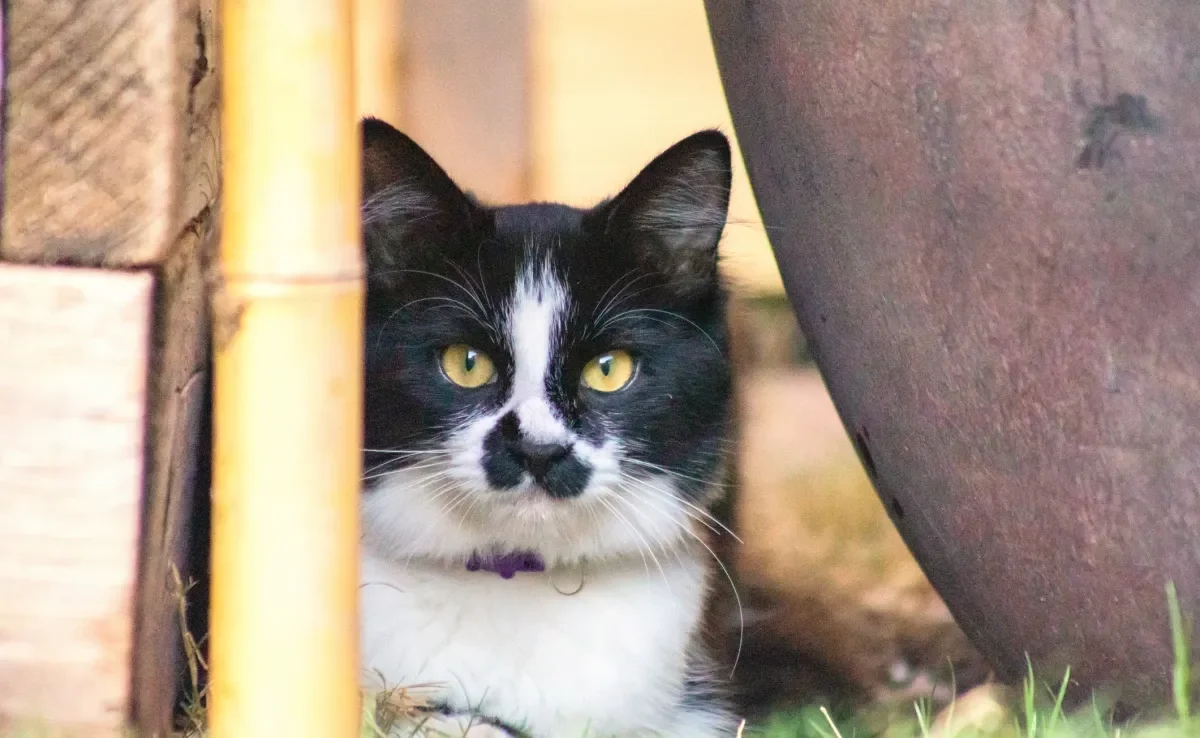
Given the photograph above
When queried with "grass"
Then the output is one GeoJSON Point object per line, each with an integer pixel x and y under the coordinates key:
{"type": "Point", "coordinates": [990, 711]}
{"type": "Point", "coordinates": [1036, 711]}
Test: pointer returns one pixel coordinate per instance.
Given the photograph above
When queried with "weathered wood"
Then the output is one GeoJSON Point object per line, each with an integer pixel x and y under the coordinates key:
{"type": "Point", "coordinates": [177, 386]}
{"type": "Point", "coordinates": [112, 141]}
{"type": "Point", "coordinates": [72, 433]}
{"type": "Point", "coordinates": [97, 150]}
{"type": "Point", "coordinates": [198, 177]}
{"type": "Point", "coordinates": [3, 54]}
{"type": "Point", "coordinates": [467, 91]}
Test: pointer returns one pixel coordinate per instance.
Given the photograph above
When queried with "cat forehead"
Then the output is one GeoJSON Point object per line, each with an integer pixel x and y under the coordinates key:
{"type": "Point", "coordinates": [544, 246]}
{"type": "Point", "coordinates": [537, 221]}
{"type": "Point", "coordinates": [523, 239]}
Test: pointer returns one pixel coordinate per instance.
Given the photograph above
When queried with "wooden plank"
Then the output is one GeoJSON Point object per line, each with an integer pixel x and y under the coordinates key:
{"type": "Point", "coordinates": [3, 56]}
{"type": "Point", "coordinates": [95, 140]}
{"type": "Point", "coordinates": [198, 179]}
{"type": "Point", "coordinates": [73, 389]}
{"type": "Point", "coordinates": [466, 95]}
{"type": "Point", "coordinates": [179, 380]}
{"type": "Point", "coordinates": [114, 145]}
{"type": "Point", "coordinates": [177, 388]}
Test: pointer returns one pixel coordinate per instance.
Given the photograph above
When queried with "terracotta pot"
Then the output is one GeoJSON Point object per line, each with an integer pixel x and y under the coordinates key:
{"type": "Point", "coordinates": [987, 218]}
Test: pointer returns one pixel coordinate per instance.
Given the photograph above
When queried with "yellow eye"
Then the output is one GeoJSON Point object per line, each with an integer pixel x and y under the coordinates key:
{"type": "Point", "coordinates": [608, 372]}
{"type": "Point", "coordinates": [467, 367]}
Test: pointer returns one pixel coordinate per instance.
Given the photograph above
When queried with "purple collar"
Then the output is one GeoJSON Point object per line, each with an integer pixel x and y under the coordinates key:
{"type": "Point", "coordinates": [506, 565]}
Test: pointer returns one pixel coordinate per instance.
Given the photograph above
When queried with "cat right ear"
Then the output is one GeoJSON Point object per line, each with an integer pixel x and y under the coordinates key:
{"type": "Point", "coordinates": [674, 211]}
{"type": "Point", "coordinates": [409, 203]}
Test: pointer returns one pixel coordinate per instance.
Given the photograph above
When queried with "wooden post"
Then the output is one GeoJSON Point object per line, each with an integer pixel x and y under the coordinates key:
{"type": "Point", "coordinates": [110, 141]}
{"type": "Point", "coordinates": [287, 451]}
{"type": "Point", "coordinates": [73, 389]}
{"type": "Point", "coordinates": [3, 54]}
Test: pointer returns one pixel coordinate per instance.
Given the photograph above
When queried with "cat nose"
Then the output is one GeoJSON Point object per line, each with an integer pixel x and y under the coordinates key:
{"type": "Point", "coordinates": [539, 458]}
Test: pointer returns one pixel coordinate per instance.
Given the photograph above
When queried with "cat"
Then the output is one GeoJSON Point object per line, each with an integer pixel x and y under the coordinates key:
{"type": "Point", "coordinates": [547, 404]}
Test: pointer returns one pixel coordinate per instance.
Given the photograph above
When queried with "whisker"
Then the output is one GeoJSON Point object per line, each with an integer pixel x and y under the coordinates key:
{"type": "Point", "coordinates": [422, 462]}
{"type": "Point", "coordinates": [663, 494]}
{"type": "Point", "coordinates": [463, 521]}
{"type": "Point", "coordinates": [649, 550]}
{"type": "Point", "coordinates": [736, 596]}
{"type": "Point", "coordinates": [450, 302]}
{"type": "Point", "coordinates": [380, 470]}
{"type": "Point", "coordinates": [479, 268]}
{"type": "Point", "coordinates": [630, 525]}
{"type": "Point", "coordinates": [697, 508]}
{"type": "Point", "coordinates": [732, 586]}
{"type": "Point", "coordinates": [438, 493]}
{"type": "Point", "coordinates": [627, 314]}
{"type": "Point", "coordinates": [593, 514]}
{"type": "Point", "coordinates": [465, 290]}
{"type": "Point", "coordinates": [665, 470]}
{"type": "Point", "coordinates": [375, 473]}
{"type": "Point", "coordinates": [616, 299]}
{"type": "Point", "coordinates": [661, 544]}
{"type": "Point", "coordinates": [447, 509]}
{"type": "Point", "coordinates": [398, 459]}
{"type": "Point", "coordinates": [471, 283]}
{"type": "Point", "coordinates": [600, 303]}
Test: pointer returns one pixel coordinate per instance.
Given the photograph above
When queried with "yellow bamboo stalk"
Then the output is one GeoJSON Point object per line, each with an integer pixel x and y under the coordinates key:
{"type": "Point", "coordinates": [378, 53]}
{"type": "Point", "coordinates": [288, 376]}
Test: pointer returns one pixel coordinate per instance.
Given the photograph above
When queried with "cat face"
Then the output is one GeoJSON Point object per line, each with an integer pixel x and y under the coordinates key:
{"type": "Point", "coordinates": [538, 376]}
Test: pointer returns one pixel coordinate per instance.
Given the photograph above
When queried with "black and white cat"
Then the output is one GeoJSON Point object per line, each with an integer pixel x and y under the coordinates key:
{"type": "Point", "coordinates": [547, 405]}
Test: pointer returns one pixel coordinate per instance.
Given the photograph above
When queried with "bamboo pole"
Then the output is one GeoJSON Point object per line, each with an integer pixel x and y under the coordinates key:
{"type": "Point", "coordinates": [288, 376]}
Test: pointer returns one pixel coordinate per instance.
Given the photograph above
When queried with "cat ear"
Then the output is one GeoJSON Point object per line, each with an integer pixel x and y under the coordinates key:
{"type": "Point", "coordinates": [409, 204]}
{"type": "Point", "coordinates": [674, 211]}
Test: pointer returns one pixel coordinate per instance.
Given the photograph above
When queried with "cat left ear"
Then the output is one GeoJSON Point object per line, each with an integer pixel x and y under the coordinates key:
{"type": "Point", "coordinates": [410, 206]}
{"type": "Point", "coordinates": [675, 210]}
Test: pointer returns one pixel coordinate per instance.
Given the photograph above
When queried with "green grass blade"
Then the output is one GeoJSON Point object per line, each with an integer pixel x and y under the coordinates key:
{"type": "Point", "coordinates": [1056, 712]}
{"type": "Point", "coordinates": [1030, 693]}
{"type": "Point", "coordinates": [1181, 671]}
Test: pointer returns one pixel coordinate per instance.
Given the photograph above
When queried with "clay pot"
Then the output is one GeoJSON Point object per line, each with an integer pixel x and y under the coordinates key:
{"type": "Point", "coordinates": [987, 215]}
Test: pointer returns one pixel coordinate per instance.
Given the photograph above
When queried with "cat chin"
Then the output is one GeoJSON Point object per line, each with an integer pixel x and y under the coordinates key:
{"type": "Point", "coordinates": [404, 521]}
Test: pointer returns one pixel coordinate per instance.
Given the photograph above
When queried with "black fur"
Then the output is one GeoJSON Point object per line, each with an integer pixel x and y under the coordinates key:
{"type": "Point", "coordinates": [651, 252]}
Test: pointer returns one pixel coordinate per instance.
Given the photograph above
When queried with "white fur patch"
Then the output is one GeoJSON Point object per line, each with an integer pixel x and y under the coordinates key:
{"type": "Point", "coordinates": [610, 660]}
{"type": "Point", "coordinates": [534, 323]}
{"type": "Point", "coordinates": [445, 511]}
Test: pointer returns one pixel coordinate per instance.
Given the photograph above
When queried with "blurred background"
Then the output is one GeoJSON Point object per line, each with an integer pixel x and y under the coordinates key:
{"type": "Point", "coordinates": [565, 101]}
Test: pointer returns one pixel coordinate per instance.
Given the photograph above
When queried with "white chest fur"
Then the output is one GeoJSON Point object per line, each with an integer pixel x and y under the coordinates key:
{"type": "Point", "coordinates": [608, 660]}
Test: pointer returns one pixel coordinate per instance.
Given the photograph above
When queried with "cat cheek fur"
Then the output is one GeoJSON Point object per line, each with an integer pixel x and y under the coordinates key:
{"type": "Point", "coordinates": [608, 487]}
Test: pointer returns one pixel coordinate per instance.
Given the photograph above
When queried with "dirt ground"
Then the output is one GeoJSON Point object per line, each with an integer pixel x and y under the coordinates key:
{"type": "Point", "coordinates": [837, 607]}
